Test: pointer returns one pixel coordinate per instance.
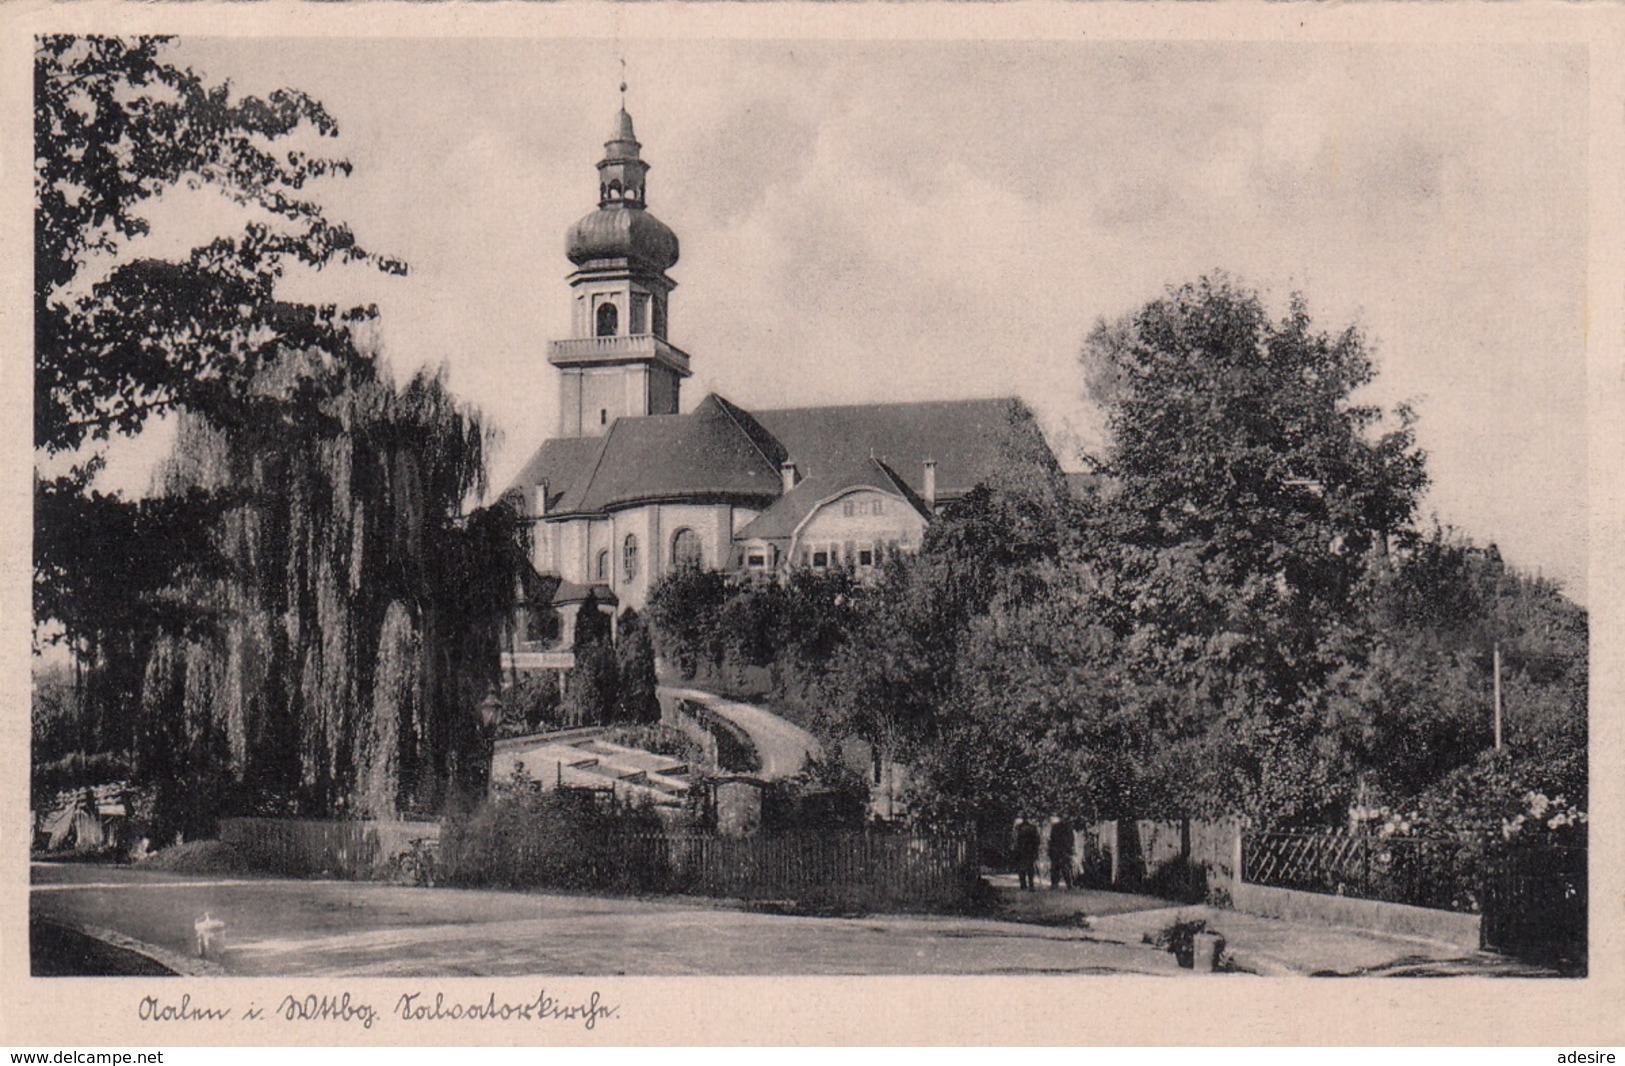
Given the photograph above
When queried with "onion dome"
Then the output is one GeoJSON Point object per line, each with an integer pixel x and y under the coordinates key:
{"type": "Point", "coordinates": [622, 231]}
{"type": "Point", "coordinates": [622, 227]}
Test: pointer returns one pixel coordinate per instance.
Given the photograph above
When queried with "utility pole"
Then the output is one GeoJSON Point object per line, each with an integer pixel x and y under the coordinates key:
{"type": "Point", "coordinates": [1497, 695]}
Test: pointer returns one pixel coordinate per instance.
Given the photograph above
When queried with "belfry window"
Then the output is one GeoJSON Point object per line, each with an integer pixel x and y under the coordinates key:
{"type": "Point", "coordinates": [609, 319]}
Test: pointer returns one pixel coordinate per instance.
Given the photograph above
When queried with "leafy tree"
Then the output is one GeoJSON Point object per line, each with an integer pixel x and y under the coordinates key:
{"type": "Point", "coordinates": [592, 624]}
{"type": "Point", "coordinates": [895, 676]}
{"type": "Point", "coordinates": [55, 716]}
{"type": "Point", "coordinates": [635, 658]}
{"type": "Point", "coordinates": [120, 338]}
{"type": "Point", "coordinates": [532, 703]}
{"type": "Point", "coordinates": [1416, 687]}
{"type": "Point", "coordinates": [591, 688]}
{"type": "Point", "coordinates": [1242, 494]}
{"type": "Point", "coordinates": [684, 609]}
{"type": "Point", "coordinates": [357, 622]}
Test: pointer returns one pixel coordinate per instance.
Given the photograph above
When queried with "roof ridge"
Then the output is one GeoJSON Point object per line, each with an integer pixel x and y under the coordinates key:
{"type": "Point", "coordinates": [1006, 398]}
{"type": "Point", "coordinates": [733, 411]}
{"type": "Point", "coordinates": [901, 485]}
{"type": "Point", "coordinates": [585, 480]}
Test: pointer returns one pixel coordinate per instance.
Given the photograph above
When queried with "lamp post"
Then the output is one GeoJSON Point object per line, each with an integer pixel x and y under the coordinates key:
{"type": "Point", "coordinates": [490, 709]}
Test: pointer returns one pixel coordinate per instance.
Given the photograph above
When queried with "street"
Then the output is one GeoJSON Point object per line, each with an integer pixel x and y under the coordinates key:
{"type": "Point", "coordinates": [279, 927]}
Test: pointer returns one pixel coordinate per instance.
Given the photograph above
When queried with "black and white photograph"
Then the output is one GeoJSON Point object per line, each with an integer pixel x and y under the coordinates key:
{"type": "Point", "coordinates": [636, 505]}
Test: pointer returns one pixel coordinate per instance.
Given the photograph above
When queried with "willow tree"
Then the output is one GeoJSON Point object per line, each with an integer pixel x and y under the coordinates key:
{"type": "Point", "coordinates": [121, 336]}
{"type": "Point", "coordinates": [360, 620]}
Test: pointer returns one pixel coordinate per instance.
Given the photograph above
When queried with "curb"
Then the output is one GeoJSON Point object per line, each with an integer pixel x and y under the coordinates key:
{"type": "Point", "coordinates": [182, 965]}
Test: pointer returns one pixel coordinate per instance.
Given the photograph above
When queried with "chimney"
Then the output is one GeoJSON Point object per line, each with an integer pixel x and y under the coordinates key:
{"type": "Point", "coordinates": [928, 489]}
{"type": "Point", "coordinates": [787, 473]}
{"type": "Point", "coordinates": [541, 498]}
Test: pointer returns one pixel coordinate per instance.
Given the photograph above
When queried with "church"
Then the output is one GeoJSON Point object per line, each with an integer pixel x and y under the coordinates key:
{"type": "Point", "coordinates": [629, 489]}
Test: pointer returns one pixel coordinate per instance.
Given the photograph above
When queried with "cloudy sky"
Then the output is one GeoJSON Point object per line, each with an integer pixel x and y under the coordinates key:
{"type": "Point", "coordinates": [869, 221]}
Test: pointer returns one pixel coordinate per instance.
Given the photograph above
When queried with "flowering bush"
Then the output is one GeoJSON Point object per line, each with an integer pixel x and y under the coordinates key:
{"type": "Point", "coordinates": [1552, 815]}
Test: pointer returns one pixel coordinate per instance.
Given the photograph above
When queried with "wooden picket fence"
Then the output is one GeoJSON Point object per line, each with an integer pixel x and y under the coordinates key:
{"type": "Point", "coordinates": [309, 847]}
{"type": "Point", "coordinates": [809, 870]}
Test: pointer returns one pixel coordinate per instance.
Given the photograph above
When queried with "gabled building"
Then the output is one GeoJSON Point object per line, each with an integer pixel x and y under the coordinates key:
{"type": "Point", "coordinates": [630, 489]}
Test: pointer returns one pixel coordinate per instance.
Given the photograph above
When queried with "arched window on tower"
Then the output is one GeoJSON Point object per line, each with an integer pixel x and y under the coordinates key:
{"type": "Point", "coordinates": [685, 550]}
{"type": "Point", "coordinates": [603, 565]}
{"type": "Point", "coordinates": [608, 319]}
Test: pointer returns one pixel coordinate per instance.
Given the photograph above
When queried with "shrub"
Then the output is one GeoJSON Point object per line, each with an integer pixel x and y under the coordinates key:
{"type": "Point", "coordinates": [563, 839]}
{"type": "Point", "coordinates": [531, 704]}
{"type": "Point", "coordinates": [826, 796]}
{"type": "Point", "coordinates": [635, 663]}
{"type": "Point", "coordinates": [76, 770]}
{"type": "Point", "coordinates": [1178, 938]}
{"type": "Point", "coordinates": [661, 740]}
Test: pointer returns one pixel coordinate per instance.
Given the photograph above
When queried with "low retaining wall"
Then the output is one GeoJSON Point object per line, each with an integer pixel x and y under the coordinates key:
{"type": "Point", "coordinates": [727, 746]}
{"type": "Point", "coordinates": [1462, 930]}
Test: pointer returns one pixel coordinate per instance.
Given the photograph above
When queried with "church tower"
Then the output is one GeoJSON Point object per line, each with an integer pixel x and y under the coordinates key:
{"type": "Point", "coordinates": [617, 361]}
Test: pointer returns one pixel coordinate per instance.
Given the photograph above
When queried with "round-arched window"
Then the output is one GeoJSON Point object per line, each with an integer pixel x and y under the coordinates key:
{"type": "Point", "coordinates": [629, 557]}
{"type": "Point", "coordinates": [685, 549]}
{"type": "Point", "coordinates": [608, 319]}
{"type": "Point", "coordinates": [603, 565]}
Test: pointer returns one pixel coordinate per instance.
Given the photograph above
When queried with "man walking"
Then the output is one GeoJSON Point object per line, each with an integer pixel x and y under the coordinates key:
{"type": "Point", "coordinates": [1026, 853]}
{"type": "Point", "coordinates": [1060, 852]}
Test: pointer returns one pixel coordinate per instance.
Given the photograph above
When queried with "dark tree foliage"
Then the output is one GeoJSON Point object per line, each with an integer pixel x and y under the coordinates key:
{"type": "Point", "coordinates": [1415, 700]}
{"type": "Point", "coordinates": [684, 609]}
{"type": "Point", "coordinates": [1238, 617]}
{"type": "Point", "coordinates": [118, 339]}
{"type": "Point", "coordinates": [1243, 494]}
{"type": "Point", "coordinates": [635, 660]}
{"type": "Point", "coordinates": [592, 687]}
{"type": "Point", "coordinates": [593, 623]}
{"type": "Point", "coordinates": [892, 680]}
{"type": "Point", "coordinates": [531, 704]}
{"type": "Point", "coordinates": [360, 618]}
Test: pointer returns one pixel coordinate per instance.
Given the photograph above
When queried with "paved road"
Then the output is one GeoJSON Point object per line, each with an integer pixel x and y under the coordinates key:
{"type": "Point", "coordinates": [284, 928]}
{"type": "Point", "coordinates": [783, 746]}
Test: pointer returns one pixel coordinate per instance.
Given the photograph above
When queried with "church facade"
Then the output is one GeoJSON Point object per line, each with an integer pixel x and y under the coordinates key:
{"type": "Point", "coordinates": [629, 488]}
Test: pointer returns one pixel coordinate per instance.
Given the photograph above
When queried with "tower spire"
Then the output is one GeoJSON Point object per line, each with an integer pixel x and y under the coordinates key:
{"type": "Point", "coordinates": [618, 362]}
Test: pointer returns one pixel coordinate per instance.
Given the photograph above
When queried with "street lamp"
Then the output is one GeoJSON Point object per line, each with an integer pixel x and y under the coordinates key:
{"type": "Point", "coordinates": [490, 708]}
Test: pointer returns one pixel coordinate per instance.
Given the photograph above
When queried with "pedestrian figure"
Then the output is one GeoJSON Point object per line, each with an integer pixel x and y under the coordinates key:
{"type": "Point", "coordinates": [1026, 853]}
{"type": "Point", "coordinates": [1060, 852]}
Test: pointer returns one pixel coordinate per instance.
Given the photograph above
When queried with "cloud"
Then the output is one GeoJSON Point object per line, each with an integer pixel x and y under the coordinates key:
{"type": "Point", "coordinates": [875, 220]}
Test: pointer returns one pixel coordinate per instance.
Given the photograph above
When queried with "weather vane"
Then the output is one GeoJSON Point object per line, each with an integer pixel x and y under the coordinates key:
{"type": "Point", "coordinates": [623, 83]}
